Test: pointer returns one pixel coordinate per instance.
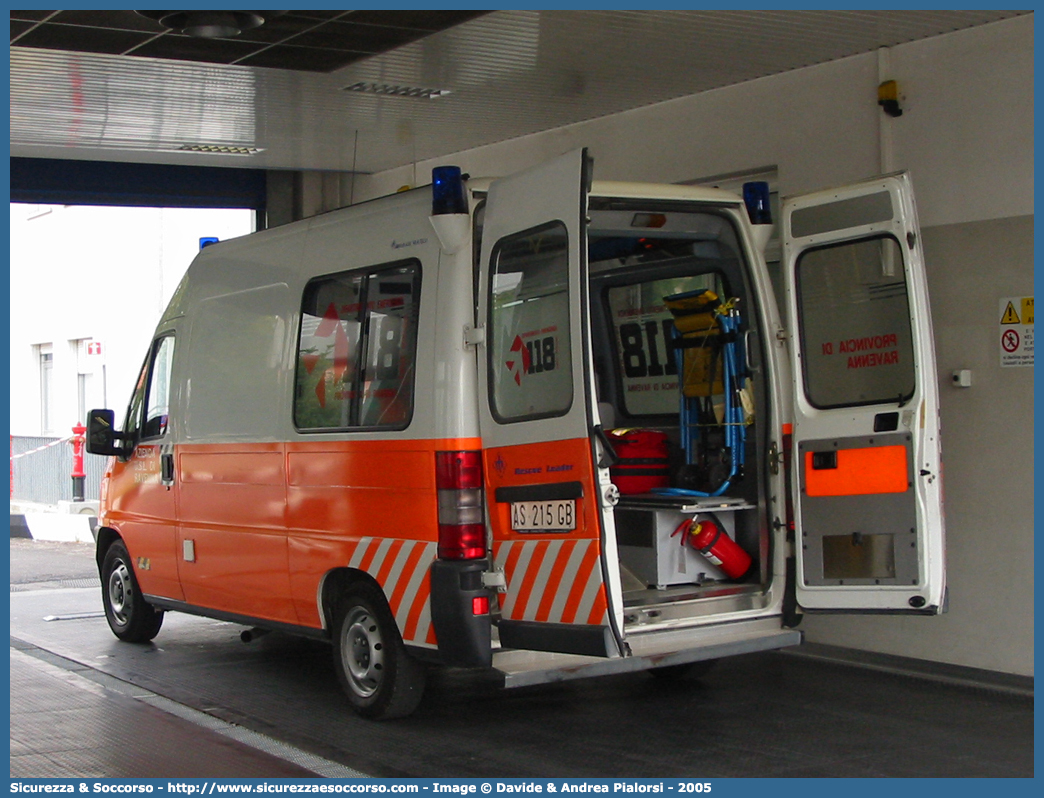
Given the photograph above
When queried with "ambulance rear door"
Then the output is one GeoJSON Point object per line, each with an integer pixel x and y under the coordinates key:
{"type": "Point", "coordinates": [867, 492]}
{"type": "Point", "coordinates": [551, 536]}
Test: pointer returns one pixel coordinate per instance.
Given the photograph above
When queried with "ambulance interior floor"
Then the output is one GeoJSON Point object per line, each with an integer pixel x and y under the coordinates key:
{"type": "Point", "coordinates": [198, 702]}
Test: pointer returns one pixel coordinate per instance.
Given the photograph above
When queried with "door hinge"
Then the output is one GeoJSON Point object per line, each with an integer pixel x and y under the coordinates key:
{"type": "Point", "coordinates": [495, 579]}
{"type": "Point", "coordinates": [781, 335]}
{"type": "Point", "coordinates": [473, 336]}
{"type": "Point", "coordinates": [773, 458]}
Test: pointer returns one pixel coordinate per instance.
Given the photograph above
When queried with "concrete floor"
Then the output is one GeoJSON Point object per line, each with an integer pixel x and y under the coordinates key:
{"type": "Point", "coordinates": [198, 702]}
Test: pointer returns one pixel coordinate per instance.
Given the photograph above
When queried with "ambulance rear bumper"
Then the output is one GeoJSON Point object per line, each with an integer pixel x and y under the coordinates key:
{"type": "Point", "coordinates": [648, 650]}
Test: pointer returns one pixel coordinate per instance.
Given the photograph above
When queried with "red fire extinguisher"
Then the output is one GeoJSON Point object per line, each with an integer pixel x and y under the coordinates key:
{"type": "Point", "coordinates": [714, 543]}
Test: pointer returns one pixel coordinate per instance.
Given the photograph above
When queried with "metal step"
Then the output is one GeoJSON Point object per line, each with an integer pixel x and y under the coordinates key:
{"type": "Point", "coordinates": [648, 650]}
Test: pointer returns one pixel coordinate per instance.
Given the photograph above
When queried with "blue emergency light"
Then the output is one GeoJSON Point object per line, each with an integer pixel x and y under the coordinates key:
{"type": "Point", "coordinates": [447, 191]}
{"type": "Point", "coordinates": [756, 198]}
{"type": "Point", "coordinates": [206, 241]}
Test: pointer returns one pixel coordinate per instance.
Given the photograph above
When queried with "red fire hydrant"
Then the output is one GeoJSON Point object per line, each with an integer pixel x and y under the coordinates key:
{"type": "Point", "coordinates": [78, 473]}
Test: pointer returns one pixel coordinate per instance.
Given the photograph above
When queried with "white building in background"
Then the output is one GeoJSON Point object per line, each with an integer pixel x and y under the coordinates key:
{"type": "Point", "coordinates": [88, 286]}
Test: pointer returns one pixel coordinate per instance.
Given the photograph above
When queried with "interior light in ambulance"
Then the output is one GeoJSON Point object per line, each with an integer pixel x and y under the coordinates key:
{"type": "Point", "coordinates": [655, 220]}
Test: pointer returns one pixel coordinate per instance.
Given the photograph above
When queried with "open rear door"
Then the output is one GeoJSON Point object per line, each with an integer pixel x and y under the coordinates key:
{"type": "Point", "coordinates": [536, 416]}
{"type": "Point", "coordinates": [867, 492]}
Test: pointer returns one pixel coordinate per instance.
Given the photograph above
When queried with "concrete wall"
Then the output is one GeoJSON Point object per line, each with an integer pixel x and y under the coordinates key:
{"type": "Point", "coordinates": [966, 136]}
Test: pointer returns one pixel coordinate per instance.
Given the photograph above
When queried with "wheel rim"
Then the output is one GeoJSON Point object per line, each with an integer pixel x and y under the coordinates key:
{"type": "Point", "coordinates": [362, 651]}
{"type": "Point", "coordinates": [120, 593]}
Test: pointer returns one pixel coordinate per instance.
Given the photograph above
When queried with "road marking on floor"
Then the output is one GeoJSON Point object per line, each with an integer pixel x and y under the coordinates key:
{"type": "Point", "coordinates": [98, 683]}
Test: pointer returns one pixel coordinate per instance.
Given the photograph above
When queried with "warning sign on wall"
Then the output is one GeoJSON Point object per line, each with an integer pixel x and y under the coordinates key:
{"type": "Point", "coordinates": [1016, 331]}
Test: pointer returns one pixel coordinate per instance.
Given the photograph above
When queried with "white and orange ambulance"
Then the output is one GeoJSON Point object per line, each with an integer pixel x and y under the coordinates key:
{"type": "Point", "coordinates": [398, 427]}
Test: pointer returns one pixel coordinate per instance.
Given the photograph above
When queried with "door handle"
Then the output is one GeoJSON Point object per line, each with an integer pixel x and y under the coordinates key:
{"type": "Point", "coordinates": [752, 367]}
{"type": "Point", "coordinates": [167, 469]}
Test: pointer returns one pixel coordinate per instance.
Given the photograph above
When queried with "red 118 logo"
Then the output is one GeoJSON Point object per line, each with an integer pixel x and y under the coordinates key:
{"type": "Point", "coordinates": [533, 356]}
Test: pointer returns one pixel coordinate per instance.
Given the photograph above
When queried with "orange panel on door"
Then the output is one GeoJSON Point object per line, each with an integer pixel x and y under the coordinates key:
{"type": "Point", "coordinates": [857, 472]}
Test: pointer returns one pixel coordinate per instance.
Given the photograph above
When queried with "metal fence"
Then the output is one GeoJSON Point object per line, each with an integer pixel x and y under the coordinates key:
{"type": "Point", "coordinates": [44, 475]}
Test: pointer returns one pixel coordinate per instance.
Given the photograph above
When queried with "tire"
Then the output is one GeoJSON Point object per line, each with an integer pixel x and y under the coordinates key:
{"type": "Point", "coordinates": [380, 679]}
{"type": "Point", "coordinates": [694, 670]}
{"type": "Point", "coordinates": [130, 617]}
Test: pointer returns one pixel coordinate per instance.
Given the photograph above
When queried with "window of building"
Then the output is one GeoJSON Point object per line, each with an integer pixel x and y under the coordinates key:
{"type": "Point", "coordinates": [81, 397]}
{"type": "Point", "coordinates": [46, 363]}
{"type": "Point", "coordinates": [88, 362]}
{"type": "Point", "coordinates": [357, 349]}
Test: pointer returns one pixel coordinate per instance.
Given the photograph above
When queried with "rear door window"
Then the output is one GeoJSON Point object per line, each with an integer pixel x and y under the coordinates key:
{"type": "Point", "coordinates": [530, 369]}
{"type": "Point", "coordinates": [857, 348]}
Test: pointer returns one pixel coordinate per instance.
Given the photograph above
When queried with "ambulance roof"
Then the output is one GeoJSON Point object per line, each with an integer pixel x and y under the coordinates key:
{"type": "Point", "coordinates": [627, 190]}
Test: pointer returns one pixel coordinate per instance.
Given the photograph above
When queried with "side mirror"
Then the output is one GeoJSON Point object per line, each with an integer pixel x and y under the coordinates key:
{"type": "Point", "coordinates": [102, 435]}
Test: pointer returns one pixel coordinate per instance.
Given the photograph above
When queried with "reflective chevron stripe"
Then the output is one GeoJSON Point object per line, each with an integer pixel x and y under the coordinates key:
{"type": "Point", "coordinates": [401, 568]}
{"type": "Point", "coordinates": [557, 581]}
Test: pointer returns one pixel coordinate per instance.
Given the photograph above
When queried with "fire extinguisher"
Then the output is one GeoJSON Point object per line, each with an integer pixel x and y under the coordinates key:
{"type": "Point", "coordinates": [713, 542]}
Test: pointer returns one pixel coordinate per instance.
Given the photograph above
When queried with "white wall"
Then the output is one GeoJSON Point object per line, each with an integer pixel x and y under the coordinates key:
{"type": "Point", "coordinates": [966, 136]}
{"type": "Point", "coordinates": [967, 133]}
{"type": "Point", "coordinates": [102, 273]}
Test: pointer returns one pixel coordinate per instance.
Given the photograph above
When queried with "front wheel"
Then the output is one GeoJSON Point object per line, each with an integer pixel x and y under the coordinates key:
{"type": "Point", "coordinates": [381, 680]}
{"type": "Point", "coordinates": [129, 616]}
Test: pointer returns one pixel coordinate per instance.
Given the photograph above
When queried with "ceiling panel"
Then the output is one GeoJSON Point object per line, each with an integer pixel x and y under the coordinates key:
{"type": "Point", "coordinates": [131, 34]}
{"type": "Point", "coordinates": [502, 75]}
{"type": "Point", "coordinates": [70, 37]}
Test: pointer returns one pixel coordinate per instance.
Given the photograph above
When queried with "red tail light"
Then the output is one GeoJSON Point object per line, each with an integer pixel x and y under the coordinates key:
{"type": "Point", "coordinates": [462, 527]}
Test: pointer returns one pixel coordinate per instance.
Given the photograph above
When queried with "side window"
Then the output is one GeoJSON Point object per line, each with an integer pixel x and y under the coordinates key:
{"type": "Point", "coordinates": [132, 423]}
{"type": "Point", "coordinates": [855, 324]}
{"type": "Point", "coordinates": [151, 391]}
{"type": "Point", "coordinates": [530, 369]}
{"type": "Point", "coordinates": [356, 349]}
{"type": "Point", "coordinates": [157, 396]}
{"type": "Point", "coordinates": [391, 334]}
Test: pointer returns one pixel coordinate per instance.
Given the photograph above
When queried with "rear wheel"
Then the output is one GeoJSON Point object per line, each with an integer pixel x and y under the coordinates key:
{"type": "Point", "coordinates": [129, 616]}
{"type": "Point", "coordinates": [381, 680]}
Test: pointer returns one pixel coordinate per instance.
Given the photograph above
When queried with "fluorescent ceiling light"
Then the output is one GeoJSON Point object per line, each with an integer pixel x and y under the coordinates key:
{"type": "Point", "coordinates": [388, 90]}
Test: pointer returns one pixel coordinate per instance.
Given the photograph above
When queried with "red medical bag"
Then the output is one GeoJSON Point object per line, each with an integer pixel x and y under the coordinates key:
{"type": "Point", "coordinates": [643, 462]}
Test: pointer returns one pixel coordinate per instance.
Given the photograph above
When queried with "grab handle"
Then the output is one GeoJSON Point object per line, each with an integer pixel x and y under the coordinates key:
{"type": "Point", "coordinates": [608, 458]}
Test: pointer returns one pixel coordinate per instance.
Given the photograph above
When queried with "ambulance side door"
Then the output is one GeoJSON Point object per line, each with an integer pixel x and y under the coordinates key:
{"type": "Point", "coordinates": [867, 486]}
{"type": "Point", "coordinates": [543, 483]}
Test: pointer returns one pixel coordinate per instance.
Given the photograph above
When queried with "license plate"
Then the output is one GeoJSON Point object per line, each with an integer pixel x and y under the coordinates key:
{"type": "Point", "coordinates": [559, 515]}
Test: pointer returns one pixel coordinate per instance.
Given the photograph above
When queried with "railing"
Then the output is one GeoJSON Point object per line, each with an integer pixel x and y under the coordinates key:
{"type": "Point", "coordinates": [41, 470]}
